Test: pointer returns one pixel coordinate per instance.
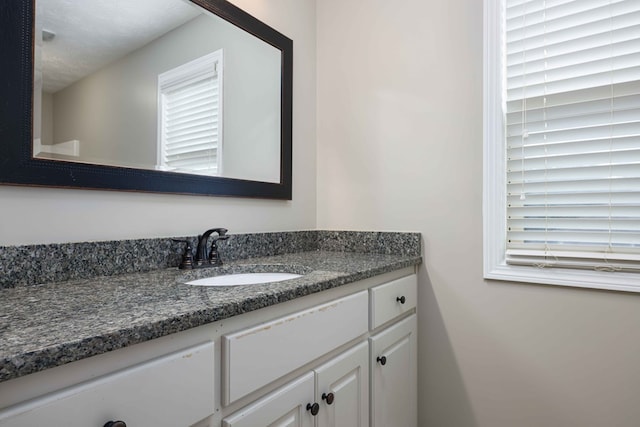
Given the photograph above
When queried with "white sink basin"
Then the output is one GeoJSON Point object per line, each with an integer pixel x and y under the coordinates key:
{"type": "Point", "coordinates": [243, 279]}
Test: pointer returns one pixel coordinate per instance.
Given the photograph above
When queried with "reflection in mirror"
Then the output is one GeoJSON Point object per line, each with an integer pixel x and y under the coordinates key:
{"type": "Point", "coordinates": [157, 85]}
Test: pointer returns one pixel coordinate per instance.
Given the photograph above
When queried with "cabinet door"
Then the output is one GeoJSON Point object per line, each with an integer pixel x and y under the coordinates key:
{"type": "Point", "coordinates": [285, 407]}
{"type": "Point", "coordinates": [344, 382]}
{"type": "Point", "coordinates": [393, 375]}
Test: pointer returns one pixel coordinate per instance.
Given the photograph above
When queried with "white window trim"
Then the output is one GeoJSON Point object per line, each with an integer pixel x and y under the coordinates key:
{"type": "Point", "coordinates": [494, 186]}
{"type": "Point", "coordinates": [183, 72]}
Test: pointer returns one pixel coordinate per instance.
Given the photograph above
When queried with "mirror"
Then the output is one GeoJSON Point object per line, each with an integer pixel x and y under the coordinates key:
{"type": "Point", "coordinates": [165, 96]}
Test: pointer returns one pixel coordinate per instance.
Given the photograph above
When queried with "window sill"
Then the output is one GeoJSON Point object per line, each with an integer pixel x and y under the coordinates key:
{"type": "Point", "coordinates": [616, 281]}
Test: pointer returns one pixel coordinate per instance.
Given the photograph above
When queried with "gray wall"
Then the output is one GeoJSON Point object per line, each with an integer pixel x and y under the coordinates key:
{"type": "Point", "coordinates": [400, 148]}
{"type": "Point", "coordinates": [113, 111]}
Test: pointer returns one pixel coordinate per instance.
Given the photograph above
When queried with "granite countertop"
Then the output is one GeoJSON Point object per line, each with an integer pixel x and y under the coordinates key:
{"type": "Point", "coordinates": [47, 325]}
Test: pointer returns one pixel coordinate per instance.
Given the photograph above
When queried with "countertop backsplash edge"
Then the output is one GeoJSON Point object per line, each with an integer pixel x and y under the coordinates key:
{"type": "Point", "coordinates": [59, 262]}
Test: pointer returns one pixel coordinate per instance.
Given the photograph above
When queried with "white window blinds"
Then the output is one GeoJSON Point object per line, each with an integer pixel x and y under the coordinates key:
{"type": "Point", "coordinates": [190, 117]}
{"type": "Point", "coordinates": [572, 116]}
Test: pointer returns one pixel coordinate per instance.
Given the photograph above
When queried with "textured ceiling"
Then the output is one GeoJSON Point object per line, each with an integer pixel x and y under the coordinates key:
{"type": "Point", "coordinates": [89, 34]}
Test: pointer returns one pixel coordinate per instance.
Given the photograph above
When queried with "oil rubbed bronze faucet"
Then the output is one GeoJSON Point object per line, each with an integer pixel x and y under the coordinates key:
{"type": "Point", "coordinates": [203, 259]}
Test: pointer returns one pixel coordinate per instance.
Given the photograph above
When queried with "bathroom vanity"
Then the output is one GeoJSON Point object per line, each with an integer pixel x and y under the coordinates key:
{"type": "Point", "coordinates": [103, 333]}
{"type": "Point", "coordinates": [334, 347]}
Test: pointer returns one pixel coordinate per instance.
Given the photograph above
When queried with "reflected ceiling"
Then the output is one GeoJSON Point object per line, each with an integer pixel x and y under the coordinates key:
{"type": "Point", "coordinates": [98, 38]}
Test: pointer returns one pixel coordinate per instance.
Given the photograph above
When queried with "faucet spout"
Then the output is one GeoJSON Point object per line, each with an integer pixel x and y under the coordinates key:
{"type": "Point", "coordinates": [213, 258]}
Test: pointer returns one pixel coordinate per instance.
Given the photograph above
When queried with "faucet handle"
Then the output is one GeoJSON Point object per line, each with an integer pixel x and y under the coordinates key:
{"type": "Point", "coordinates": [187, 255]}
{"type": "Point", "coordinates": [214, 254]}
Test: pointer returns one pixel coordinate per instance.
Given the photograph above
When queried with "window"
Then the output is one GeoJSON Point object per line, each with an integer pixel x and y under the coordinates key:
{"type": "Point", "coordinates": [190, 117]}
{"type": "Point", "coordinates": [562, 142]}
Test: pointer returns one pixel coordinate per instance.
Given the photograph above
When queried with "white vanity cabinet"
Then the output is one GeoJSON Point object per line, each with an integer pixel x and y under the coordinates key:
{"type": "Point", "coordinates": [319, 353]}
{"type": "Point", "coordinates": [148, 394]}
{"type": "Point", "coordinates": [371, 383]}
{"type": "Point", "coordinates": [335, 393]}
{"type": "Point", "coordinates": [393, 362]}
{"type": "Point", "coordinates": [258, 355]}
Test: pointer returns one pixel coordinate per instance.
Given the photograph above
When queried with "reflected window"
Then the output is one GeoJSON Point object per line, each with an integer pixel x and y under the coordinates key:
{"type": "Point", "coordinates": [190, 117]}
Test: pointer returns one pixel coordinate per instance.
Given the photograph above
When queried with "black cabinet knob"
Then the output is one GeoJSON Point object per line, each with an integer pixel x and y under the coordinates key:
{"type": "Point", "coordinates": [328, 398]}
{"type": "Point", "coordinates": [115, 424]}
{"type": "Point", "coordinates": [401, 299]}
{"type": "Point", "coordinates": [382, 360]}
{"type": "Point", "coordinates": [314, 408]}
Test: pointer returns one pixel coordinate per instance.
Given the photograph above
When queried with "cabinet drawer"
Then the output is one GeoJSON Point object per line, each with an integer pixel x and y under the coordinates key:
{"type": "Point", "coordinates": [256, 356]}
{"type": "Point", "coordinates": [174, 390]}
{"type": "Point", "coordinates": [386, 300]}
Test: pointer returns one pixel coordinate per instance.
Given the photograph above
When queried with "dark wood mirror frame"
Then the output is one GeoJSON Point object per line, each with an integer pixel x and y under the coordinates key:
{"type": "Point", "coordinates": [18, 167]}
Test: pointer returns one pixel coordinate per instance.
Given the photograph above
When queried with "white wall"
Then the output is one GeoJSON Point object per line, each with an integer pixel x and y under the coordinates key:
{"type": "Point", "coordinates": [47, 215]}
{"type": "Point", "coordinates": [400, 148]}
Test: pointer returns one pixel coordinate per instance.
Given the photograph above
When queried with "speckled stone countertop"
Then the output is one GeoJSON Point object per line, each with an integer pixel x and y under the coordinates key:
{"type": "Point", "coordinates": [47, 325]}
